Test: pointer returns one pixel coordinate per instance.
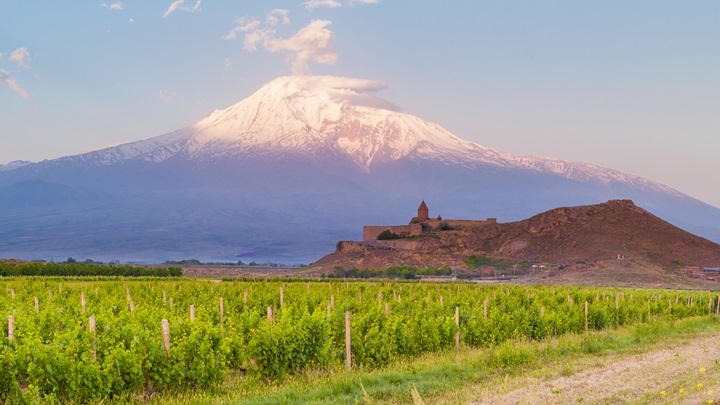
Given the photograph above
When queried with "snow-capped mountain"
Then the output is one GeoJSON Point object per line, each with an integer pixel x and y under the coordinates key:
{"type": "Point", "coordinates": [271, 152]}
{"type": "Point", "coordinates": [318, 115]}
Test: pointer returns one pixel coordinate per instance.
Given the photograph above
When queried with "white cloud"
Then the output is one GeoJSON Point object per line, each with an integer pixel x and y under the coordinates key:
{"type": "Point", "coordinates": [322, 3]}
{"type": "Point", "coordinates": [353, 2]}
{"type": "Point", "coordinates": [227, 64]}
{"type": "Point", "coordinates": [131, 20]}
{"type": "Point", "coordinates": [272, 18]}
{"type": "Point", "coordinates": [244, 26]}
{"type": "Point", "coordinates": [252, 39]}
{"type": "Point", "coordinates": [21, 56]}
{"type": "Point", "coordinates": [167, 95]}
{"type": "Point", "coordinates": [113, 6]}
{"type": "Point", "coordinates": [10, 81]}
{"type": "Point", "coordinates": [311, 43]}
{"type": "Point", "coordinates": [178, 5]}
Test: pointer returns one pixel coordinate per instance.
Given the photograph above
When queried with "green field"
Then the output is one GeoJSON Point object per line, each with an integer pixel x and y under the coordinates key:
{"type": "Point", "coordinates": [238, 353]}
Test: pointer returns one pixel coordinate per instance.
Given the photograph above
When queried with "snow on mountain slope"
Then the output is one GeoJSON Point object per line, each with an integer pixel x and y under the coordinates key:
{"type": "Point", "coordinates": [14, 165]}
{"type": "Point", "coordinates": [317, 115]}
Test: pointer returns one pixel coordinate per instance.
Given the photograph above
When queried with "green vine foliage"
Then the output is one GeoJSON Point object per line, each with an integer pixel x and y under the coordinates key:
{"type": "Point", "coordinates": [56, 358]}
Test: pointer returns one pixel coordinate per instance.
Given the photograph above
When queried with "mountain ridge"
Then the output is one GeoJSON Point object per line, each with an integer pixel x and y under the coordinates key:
{"type": "Point", "coordinates": [325, 144]}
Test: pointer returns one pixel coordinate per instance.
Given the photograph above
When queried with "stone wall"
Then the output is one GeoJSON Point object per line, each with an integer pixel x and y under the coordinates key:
{"type": "Point", "coordinates": [400, 244]}
{"type": "Point", "coordinates": [371, 232]}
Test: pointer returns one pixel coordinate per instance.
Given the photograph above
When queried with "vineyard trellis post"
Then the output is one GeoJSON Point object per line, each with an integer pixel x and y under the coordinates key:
{"type": "Point", "coordinates": [11, 328]}
{"type": "Point", "coordinates": [92, 330]}
{"type": "Point", "coordinates": [82, 300]}
{"type": "Point", "coordinates": [457, 327]}
{"type": "Point", "coordinates": [348, 358]}
{"type": "Point", "coordinates": [587, 321]}
{"type": "Point", "coordinates": [166, 335]}
{"type": "Point", "coordinates": [222, 311]}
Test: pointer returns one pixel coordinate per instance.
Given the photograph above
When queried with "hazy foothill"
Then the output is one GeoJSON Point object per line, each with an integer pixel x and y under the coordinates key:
{"type": "Point", "coordinates": [318, 238]}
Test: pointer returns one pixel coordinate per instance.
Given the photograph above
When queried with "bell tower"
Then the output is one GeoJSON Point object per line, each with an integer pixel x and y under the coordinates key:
{"type": "Point", "coordinates": [423, 212]}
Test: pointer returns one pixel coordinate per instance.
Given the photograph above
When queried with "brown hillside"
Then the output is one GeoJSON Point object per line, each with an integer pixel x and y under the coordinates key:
{"type": "Point", "coordinates": [570, 238]}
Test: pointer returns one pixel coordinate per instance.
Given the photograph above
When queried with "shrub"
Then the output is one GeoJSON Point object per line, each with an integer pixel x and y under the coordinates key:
{"type": "Point", "coordinates": [387, 235]}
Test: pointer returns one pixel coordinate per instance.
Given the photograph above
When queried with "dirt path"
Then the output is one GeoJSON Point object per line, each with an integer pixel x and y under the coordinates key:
{"type": "Point", "coordinates": [668, 374]}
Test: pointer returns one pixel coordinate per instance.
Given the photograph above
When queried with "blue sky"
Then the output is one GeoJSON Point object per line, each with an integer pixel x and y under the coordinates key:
{"type": "Point", "coordinates": [630, 85]}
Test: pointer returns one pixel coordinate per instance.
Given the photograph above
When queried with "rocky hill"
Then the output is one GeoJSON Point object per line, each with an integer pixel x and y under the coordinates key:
{"type": "Point", "coordinates": [615, 236]}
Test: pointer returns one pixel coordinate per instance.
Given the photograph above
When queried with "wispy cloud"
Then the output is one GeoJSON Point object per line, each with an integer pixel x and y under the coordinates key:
{"type": "Point", "coordinates": [21, 56]}
{"type": "Point", "coordinates": [353, 2]}
{"type": "Point", "coordinates": [278, 16]}
{"type": "Point", "coordinates": [178, 5]}
{"type": "Point", "coordinates": [311, 43]}
{"type": "Point", "coordinates": [113, 6]}
{"type": "Point", "coordinates": [10, 81]}
{"type": "Point", "coordinates": [244, 25]}
{"type": "Point", "coordinates": [167, 95]}
{"type": "Point", "coordinates": [227, 64]}
{"type": "Point", "coordinates": [322, 3]}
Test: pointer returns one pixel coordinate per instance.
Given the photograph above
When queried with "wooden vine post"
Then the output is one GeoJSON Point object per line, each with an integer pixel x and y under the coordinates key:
{"type": "Point", "coordinates": [11, 328]}
{"type": "Point", "coordinates": [166, 335]}
{"type": "Point", "coordinates": [269, 314]}
{"type": "Point", "coordinates": [92, 330]}
{"type": "Point", "coordinates": [348, 359]}
{"type": "Point", "coordinates": [132, 306]}
{"type": "Point", "coordinates": [717, 309]}
{"type": "Point", "coordinates": [457, 326]}
{"type": "Point", "coordinates": [485, 307]}
{"type": "Point", "coordinates": [192, 312]}
{"type": "Point", "coordinates": [387, 309]}
{"type": "Point", "coordinates": [82, 300]}
{"type": "Point", "coordinates": [710, 306]}
{"type": "Point", "coordinates": [164, 297]}
{"type": "Point", "coordinates": [587, 323]}
{"type": "Point", "coordinates": [37, 305]}
{"type": "Point", "coordinates": [245, 294]}
{"type": "Point", "coordinates": [222, 311]}
{"type": "Point", "coordinates": [442, 304]}
{"type": "Point", "coordinates": [282, 297]}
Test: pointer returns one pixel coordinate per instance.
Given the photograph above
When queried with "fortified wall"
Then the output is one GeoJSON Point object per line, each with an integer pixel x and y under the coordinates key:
{"type": "Point", "coordinates": [414, 228]}
{"type": "Point", "coordinates": [371, 232]}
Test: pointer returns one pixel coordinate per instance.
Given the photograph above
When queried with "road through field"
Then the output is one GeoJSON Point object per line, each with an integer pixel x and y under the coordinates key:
{"type": "Point", "coordinates": [682, 371]}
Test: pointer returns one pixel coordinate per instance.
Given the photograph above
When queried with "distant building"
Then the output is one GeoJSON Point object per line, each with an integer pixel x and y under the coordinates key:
{"type": "Point", "coordinates": [422, 222]}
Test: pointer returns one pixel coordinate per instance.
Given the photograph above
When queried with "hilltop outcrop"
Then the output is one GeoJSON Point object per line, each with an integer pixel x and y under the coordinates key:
{"type": "Point", "coordinates": [616, 233]}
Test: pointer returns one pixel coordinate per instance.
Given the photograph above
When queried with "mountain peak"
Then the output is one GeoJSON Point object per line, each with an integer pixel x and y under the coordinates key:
{"type": "Point", "coordinates": [311, 115]}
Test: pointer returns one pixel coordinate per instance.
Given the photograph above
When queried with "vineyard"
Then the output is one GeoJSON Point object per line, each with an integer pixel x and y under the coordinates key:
{"type": "Point", "coordinates": [74, 340]}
